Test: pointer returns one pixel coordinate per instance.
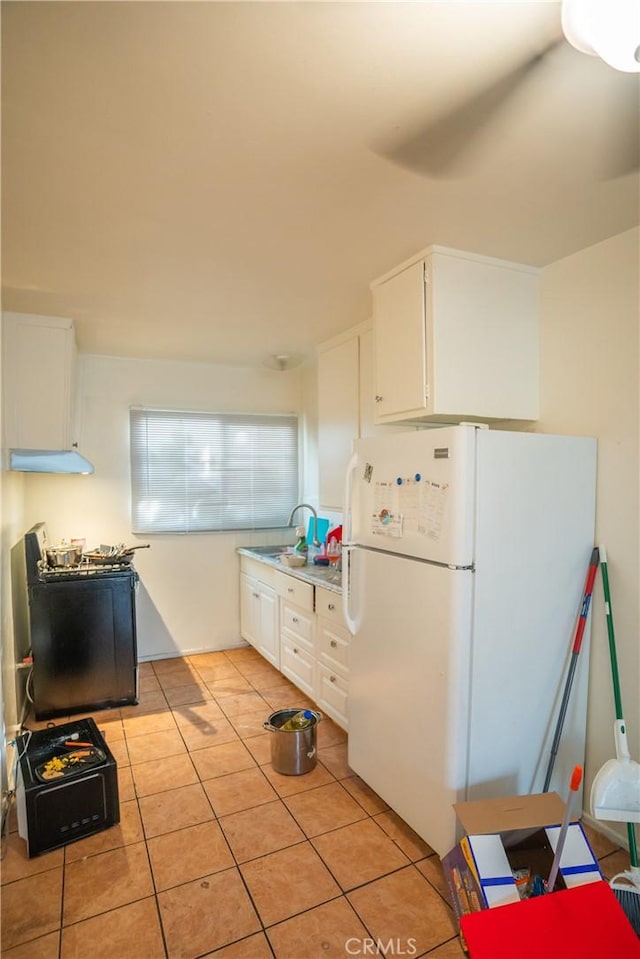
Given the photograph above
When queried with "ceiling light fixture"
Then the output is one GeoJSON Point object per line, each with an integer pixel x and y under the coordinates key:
{"type": "Point", "coordinates": [283, 361]}
{"type": "Point", "coordinates": [609, 29]}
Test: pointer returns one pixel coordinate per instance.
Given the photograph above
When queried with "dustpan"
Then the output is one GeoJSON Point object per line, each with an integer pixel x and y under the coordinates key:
{"type": "Point", "coordinates": [615, 791]}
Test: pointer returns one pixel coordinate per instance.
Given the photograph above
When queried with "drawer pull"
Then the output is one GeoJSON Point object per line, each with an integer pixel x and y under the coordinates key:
{"type": "Point", "coordinates": [295, 650]}
{"type": "Point", "coordinates": [256, 595]}
{"type": "Point", "coordinates": [333, 644]}
{"type": "Point", "coordinates": [294, 619]}
{"type": "Point", "coordinates": [331, 606]}
{"type": "Point", "coordinates": [290, 589]}
{"type": "Point", "coordinates": [332, 679]}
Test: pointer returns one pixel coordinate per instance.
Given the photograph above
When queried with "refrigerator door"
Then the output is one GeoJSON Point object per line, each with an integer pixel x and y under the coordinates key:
{"type": "Point", "coordinates": [413, 494]}
{"type": "Point", "coordinates": [409, 688]}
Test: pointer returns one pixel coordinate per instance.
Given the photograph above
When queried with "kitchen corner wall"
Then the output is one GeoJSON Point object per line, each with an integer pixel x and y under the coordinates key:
{"type": "Point", "coordinates": [589, 385]}
{"type": "Point", "coordinates": [188, 598]}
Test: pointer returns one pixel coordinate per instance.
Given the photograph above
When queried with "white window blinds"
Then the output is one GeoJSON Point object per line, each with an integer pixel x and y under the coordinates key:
{"type": "Point", "coordinates": [192, 472]}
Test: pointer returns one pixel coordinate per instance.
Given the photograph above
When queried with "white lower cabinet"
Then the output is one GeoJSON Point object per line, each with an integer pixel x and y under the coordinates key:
{"type": "Point", "coordinates": [332, 649]}
{"type": "Point", "coordinates": [300, 630]}
{"type": "Point", "coordinates": [297, 631]}
{"type": "Point", "coordinates": [332, 694]}
{"type": "Point", "coordinates": [259, 610]}
{"type": "Point", "coordinates": [297, 663]}
{"type": "Point", "coordinates": [297, 653]}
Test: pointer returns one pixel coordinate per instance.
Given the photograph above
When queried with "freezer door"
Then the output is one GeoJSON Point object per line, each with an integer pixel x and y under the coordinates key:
{"type": "Point", "coordinates": [413, 494]}
{"type": "Point", "coordinates": [408, 688]}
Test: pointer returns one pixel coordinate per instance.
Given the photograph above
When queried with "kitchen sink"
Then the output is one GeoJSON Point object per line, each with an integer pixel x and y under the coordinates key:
{"type": "Point", "coordinates": [267, 550]}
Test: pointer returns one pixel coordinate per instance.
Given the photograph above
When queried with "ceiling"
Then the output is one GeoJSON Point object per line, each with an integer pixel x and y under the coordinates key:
{"type": "Point", "coordinates": [212, 181]}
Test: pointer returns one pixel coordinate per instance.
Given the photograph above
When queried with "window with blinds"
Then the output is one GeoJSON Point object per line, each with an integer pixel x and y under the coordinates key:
{"type": "Point", "coordinates": [193, 472]}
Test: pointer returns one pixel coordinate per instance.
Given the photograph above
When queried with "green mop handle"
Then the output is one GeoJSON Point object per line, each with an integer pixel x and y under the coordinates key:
{"type": "Point", "coordinates": [617, 697]}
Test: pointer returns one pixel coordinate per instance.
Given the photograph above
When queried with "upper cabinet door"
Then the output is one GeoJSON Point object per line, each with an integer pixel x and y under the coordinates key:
{"type": "Point", "coordinates": [456, 337]}
{"type": "Point", "coordinates": [38, 371]}
{"type": "Point", "coordinates": [400, 345]}
{"type": "Point", "coordinates": [338, 417]}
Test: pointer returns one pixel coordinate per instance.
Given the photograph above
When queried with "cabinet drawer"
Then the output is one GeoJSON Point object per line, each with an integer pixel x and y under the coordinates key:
{"type": "Point", "coordinates": [297, 663]}
{"type": "Point", "coordinates": [258, 570]}
{"type": "Point", "coordinates": [329, 605]}
{"type": "Point", "coordinates": [333, 694]}
{"type": "Point", "coordinates": [333, 646]}
{"type": "Point", "coordinates": [294, 590]}
{"type": "Point", "coordinates": [296, 621]}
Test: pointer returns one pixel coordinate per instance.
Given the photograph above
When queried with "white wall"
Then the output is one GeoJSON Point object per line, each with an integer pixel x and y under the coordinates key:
{"type": "Point", "coordinates": [589, 377]}
{"type": "Point", "coordinates": [188, 597]}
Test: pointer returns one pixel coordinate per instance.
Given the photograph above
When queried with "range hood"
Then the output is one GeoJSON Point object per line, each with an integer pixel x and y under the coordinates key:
{"type": "Point", "coordinates": [49, 461]}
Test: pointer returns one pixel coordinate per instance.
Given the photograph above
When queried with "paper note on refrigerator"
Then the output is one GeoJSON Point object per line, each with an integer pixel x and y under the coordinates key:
{"type": "Point", "coordinates": [433, 499]}
{"type": "Point", "coordinates": [408, 499]}
{"type": "Point", "coordinates": [386, 519]}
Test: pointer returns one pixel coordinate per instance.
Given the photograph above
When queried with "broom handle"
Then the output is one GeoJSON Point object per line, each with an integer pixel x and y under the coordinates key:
{"type": "Point", "coordinates": [575, 652]}
{"type": "Point", "coordinates": [576, 779]}
{"type": "Point", "coordinates": [617, 695]}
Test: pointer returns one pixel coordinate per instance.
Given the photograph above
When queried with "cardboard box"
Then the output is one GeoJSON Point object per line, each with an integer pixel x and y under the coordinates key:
{"type": "Point", "coordinates": [507, 835]}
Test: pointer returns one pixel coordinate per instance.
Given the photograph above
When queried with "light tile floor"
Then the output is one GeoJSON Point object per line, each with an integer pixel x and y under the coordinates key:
{"type": "Point", "coordinates": [217, 855]}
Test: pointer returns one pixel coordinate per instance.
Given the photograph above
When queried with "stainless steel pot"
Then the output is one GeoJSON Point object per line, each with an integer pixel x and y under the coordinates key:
{"type": "Point", "coordinates": [64, 555]}
{"type": "Point", "coordinates": [293, 751]}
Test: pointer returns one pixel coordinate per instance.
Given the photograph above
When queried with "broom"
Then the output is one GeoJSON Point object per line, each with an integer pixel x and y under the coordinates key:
{"type": "Point", "coordinates": [626, 884]}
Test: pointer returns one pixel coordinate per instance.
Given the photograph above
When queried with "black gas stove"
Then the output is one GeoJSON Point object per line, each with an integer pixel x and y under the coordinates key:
{"type": "Point", "coordinates": [82, 624]}
{"type": "Point", "coordinates": [38, 569]}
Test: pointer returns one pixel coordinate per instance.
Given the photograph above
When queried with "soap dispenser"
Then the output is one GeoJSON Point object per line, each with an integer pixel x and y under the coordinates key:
{"type": "Point", "coordinates": [301, 545]}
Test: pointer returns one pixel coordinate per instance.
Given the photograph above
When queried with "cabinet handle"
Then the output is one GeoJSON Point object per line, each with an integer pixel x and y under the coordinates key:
{"type": "Point", "coordinates": [295, 650]}
{"type": "Point", "coordinates": [290, 589]}
{"type": "Point", "coordinates": [333, 644]}
{"type": "Point", "coordinates": [295, 619]}
{"type": "Point", "coordinates": [378, 399]}
{"type": "Point", "coordinates": [331, 606]}
{"type": "Point", "coordinates": [256, 595]}
{"type": "Point", "coordinates": [332, 679]}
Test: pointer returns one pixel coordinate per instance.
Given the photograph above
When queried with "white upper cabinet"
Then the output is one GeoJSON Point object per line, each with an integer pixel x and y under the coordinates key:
{"type": "Point", "coordinates": [38, 362]}
{"type": "Point", "coordinates": [456, 337]}
{"type": "Point", "coordinates": [338, 413]}
{"type": "Point", "coordinates": [346, 408]}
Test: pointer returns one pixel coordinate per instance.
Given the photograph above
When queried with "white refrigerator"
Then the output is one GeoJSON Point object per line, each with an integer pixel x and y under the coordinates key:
{"type": "Point", "coordinates": [464, 564]}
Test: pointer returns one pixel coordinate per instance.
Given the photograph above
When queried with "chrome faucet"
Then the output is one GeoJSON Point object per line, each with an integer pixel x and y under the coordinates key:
{"type": "Point", "coordinates": [316, 541]}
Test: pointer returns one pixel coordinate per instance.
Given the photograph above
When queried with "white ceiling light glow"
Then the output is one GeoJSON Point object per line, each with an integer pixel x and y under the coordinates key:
{"type": "Point", "coordinates": [609, 29]}
{"type": "Point", "coordinates": [283, 361]}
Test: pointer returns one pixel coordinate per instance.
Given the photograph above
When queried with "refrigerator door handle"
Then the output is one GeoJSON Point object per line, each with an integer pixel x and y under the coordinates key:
{"type": "Point", "coordinates": [346, 544]}
{"type": "Point", "coordinates": [351, 621]}
{"type": "Point", "coordinates": [348, 499]}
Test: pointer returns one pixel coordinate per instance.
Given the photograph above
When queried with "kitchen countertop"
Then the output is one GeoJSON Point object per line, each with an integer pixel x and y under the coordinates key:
{"type": "Point", "coordinates": [316, 575]}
